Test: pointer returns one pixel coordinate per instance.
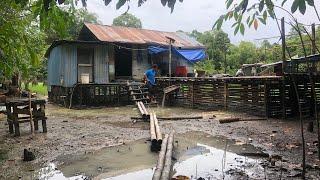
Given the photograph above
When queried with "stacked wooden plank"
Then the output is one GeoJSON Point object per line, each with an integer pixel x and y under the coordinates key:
{"type": "Point", "coordinates": [208, 95]}
{"type": "Point", "coordinates": [244, 94]}
{"type": "Point", "coordinates": [247, 97]}
{"type": "Point", "coordinates": [273, 95]}
{"type": "Point", "coordinates": [163, 168]}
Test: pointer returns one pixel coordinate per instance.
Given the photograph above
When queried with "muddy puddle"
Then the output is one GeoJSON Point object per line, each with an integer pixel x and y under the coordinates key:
{"type": "Point", "coordinates": [196, 155]}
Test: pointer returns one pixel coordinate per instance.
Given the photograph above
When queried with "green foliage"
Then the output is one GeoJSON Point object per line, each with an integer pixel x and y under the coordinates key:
{"type": "Point", "coordinates": [254, 12]}
{"type": "Point", "coordinates": [72, 22]}
{"type": "Point", "coordinates": [21, 41]}
{"type": "Point", "coordinates": [39, 88]}
{"type": "Point", "coordinates": [217, 43]}
{"type": "Point", "coordinates": [46, 5]}
{"type": "Point", "coordinates": [245, 52]}
{"type": "Point", "coordinates": [127, 20]}
{"type": "Point", "coordinates": [27, 28]}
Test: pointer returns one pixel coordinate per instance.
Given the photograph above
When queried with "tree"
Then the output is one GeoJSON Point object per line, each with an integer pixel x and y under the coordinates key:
{"type": "Point", "coordinates": [127, 20]}
{"type": "Point", "coordinates": [26, 29]}
{"type": "Point", "coordinates": [245, 53]}
{"type": "Point", "coordinates": [73, 24]}
{"type": "Point", "coordinates": [195, 34]}
{"type": "Point", "coordinates": [21, 41]}
{"type": "Point", "coordinates": [243, 11]}
{"type": "Point", "coordinates": [265, 52]}
{"type": "Point", "coordinates": [251, 13]}
{"type": "Point", "coordinates": [217, 43]}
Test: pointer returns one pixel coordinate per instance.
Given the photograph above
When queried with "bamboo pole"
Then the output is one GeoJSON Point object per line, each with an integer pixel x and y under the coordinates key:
{"type": "Point", "coordinates": [144, 112]}
{"type": "Point", "coordinates": [144, 109]}
{"type": "Point", "coordinates": [314, 47]}
{"type": "Point", "coordinates": [171, 118]}
{"type": "Point", "coordinates": [157, 128]}
{"type": "Point", "coordinates": [301, 128]}
{"type": "Point", "coordinates": [167, 164]}
{"type": "Point", "coordinates": [153, 136]}
{"type": "Point", "coordinates": [283, 43]}
{"type": "Point", "coordinates": [141, 110]}
{"type": "Point", "coordinates": [160, 163]}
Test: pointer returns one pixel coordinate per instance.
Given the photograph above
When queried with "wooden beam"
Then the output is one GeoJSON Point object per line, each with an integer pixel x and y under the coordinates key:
{"type": "Point", "coordinates": [283, 40]}
{"type": "Point", "coordinates": [229, 120]}
{"type": "Point", "coordinates": [314, 49]}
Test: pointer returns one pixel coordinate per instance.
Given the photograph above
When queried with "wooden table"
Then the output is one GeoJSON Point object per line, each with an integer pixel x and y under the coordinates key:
{"type": "Point", "coordinates": [18, 112]}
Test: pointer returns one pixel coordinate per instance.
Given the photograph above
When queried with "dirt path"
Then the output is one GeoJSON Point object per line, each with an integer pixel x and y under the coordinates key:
{"type": "Point", "coordinates": [79, 132]}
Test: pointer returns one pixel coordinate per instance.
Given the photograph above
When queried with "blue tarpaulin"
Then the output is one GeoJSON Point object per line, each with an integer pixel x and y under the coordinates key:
{"type": "Point", "coordinates": [156, 50]}
{"type": "Point", "coordinates": [192, 55]}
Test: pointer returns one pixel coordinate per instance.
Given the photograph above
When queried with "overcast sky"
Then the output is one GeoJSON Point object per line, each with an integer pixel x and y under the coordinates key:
{"type": "Point", "coordinates": [189, 15]}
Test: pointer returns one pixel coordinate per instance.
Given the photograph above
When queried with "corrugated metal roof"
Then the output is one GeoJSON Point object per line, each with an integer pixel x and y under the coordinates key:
{"type": "Point", "coordinates": [120, 34]}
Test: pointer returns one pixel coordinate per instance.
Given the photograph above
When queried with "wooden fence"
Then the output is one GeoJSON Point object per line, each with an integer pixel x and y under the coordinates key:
{"type": "Point", "coordinates": [271, 96]}
{"type": "Point", "coordinates": [112, 94]}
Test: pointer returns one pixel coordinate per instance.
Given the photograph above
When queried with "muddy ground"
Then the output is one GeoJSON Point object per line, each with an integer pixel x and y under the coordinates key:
{"type": "Point", "coordinates": [73, 133]}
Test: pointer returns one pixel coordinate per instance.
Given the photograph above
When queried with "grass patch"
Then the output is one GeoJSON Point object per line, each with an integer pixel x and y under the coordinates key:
{"type": "Point", "coordinates": [39, 88]}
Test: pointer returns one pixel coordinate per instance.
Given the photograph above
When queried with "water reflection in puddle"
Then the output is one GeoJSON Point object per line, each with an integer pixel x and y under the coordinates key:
{"type": "Point", "coordinates": [52, 173]}
{"type": "Point", "coordinates": [209, 165]}
{"type": "Point", "coordinates": [207, 162]}
{"type": "Point", "coordinates": [198, 155]}
{"type": "Point", "coordinates": [138, 175]}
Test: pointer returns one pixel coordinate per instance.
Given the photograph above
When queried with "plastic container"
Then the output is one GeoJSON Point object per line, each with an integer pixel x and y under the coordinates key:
{"type": "Point", "coordinates": [85, 78]}
{"type": "Point", "coordinates": [181, 71]}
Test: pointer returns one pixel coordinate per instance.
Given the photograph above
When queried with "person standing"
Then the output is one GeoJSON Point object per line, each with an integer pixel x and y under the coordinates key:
{"type": "Point", "coordinates": [150, 80]}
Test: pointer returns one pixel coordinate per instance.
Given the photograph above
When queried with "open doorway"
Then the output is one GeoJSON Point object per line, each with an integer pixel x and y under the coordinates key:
{"type": "Point", "coordinates": [123, 63]}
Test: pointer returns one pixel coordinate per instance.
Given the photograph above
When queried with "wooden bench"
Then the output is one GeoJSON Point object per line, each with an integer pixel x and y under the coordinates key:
{"type": "Point", "coordinates": [18, 112]}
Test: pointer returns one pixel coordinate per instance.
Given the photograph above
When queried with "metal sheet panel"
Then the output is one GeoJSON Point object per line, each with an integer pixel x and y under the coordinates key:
{"type": "Point", "coordinates": [69, 62]}
{"type": "Point", "coordinates": [101, 64]}
{"type": "Point", "coordinates": [140, 36]}
{"type": "Point", "coordinates": [54, 67]}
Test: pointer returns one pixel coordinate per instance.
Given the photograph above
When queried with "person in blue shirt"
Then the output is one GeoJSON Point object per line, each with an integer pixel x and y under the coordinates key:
{"type": "Point", "coordinates": [150, 79]}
